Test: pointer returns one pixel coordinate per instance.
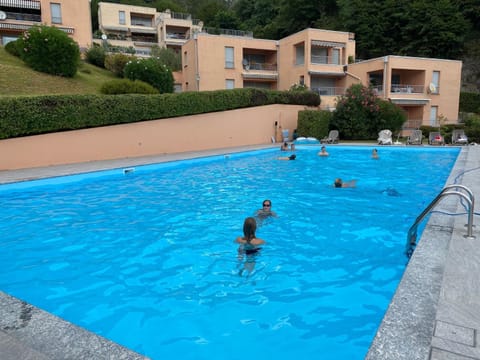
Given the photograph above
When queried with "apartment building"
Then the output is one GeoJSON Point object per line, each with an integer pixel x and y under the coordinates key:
{"type": "Point", "coordinates": [324, 61]}
{"type": "Point", "coordinates": [73, 17]}
{"type": "Point", "coordinates": [140, 28]}
{"type": "Point", "coordinates": [428, 90]}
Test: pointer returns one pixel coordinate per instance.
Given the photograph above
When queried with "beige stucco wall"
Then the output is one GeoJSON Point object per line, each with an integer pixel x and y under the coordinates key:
{"type": "Point", "coordinates": [290, 72]}
{"type": "Point", "coordinates": [205, 55]}
{"type": "Point", "coordinates": [242, 127]}
{"type": "Point", "coordinates": [75, 14]}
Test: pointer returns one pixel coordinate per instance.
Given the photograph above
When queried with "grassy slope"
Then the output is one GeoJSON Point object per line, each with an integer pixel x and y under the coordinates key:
{"type": "Point", "coordinates": [18, 79]}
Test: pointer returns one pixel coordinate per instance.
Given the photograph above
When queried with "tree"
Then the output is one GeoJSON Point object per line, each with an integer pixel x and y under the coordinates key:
{"type": "Point", "coordinates": [167, 57]}
{"type": "Point", "coordinates": [360, 114]}
{"type": "Point", "coordinates": [434, 31]}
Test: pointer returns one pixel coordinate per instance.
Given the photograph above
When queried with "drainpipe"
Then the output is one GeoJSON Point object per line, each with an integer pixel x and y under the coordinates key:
{"type": "Point", "coordinates": [197, 74]}
{"type": "Point", "coordinates": [385, 65]}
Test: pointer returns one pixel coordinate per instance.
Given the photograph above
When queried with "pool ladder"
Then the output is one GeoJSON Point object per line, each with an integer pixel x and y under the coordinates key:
{"type": "Point", "coordinates": [468, 197]}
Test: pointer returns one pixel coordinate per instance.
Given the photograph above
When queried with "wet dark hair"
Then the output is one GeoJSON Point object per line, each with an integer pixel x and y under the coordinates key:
{"type": "Point", "coordinates": [338, 183]}
{"type": "Point", "coordinates": [269, 201]}
{"type": "Point", "coordinates": [292, 157]}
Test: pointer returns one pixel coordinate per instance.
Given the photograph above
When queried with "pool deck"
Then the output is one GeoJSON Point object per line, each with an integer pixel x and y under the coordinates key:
{"type": "Point", "coordinates": [434, 314]}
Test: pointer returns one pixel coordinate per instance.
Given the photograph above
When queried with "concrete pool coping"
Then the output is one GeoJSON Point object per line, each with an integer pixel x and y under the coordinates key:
{"type": "Point", "coordinates": [434, 314]}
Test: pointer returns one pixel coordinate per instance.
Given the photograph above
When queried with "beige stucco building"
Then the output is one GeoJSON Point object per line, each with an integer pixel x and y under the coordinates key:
{"type": "Point", "coordinates": [324, 61]}
{"type": "Point", "coordinates": [73, 17]}
{"type": "Point", "coordinates": [141, 27]}
{"type": "Point", "coordinates": [427, 89]}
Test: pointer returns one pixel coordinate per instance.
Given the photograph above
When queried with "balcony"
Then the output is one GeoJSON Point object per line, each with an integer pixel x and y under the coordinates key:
{"type": "Point", "coordinates": [322, 60]}
{"type": "Point", "coordinates": [23, 17]}
{"type": "Point", "coordinates": [330, 91]}
{"type": "Point", "coordinates": [407, 89]}
{"type": "Point", "coordinates": [144, 39]}
{"type": "Point", "coordinates": [260, 66]}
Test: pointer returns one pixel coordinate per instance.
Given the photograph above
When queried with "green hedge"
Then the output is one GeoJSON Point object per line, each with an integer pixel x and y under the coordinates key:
{"type": "Point", "coordinates": [313, 123]}
{"type": "Point", "coordinates": [22, 116]}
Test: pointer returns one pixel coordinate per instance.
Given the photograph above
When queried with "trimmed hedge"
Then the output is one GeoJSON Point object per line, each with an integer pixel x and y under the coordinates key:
{"type": "Point", "coordinates": [313, 123]}
{"type": "Point", "coordinates": [22, 116]}
{"type": "Point", "coordinates": [125, 86]}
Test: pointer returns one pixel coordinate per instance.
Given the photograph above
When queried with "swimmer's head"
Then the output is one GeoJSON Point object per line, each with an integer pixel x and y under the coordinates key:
{"type": "Point", "coordinates": [292, 157]}
{"type": "Point", "coordinates": [338, 183]}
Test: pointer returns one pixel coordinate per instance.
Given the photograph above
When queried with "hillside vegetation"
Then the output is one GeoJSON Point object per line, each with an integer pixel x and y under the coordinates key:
{"type": "Point", "coordinates": [16, 78]}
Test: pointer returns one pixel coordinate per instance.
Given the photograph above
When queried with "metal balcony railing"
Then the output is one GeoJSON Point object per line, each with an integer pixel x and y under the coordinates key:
{"type": "Point", "coordinates": [260, 66]}
{"type": "Point", "coordinates": [23, 17]}
{"type": "Point", "coordinates": [330, 60]}
{"type": "Point", "coordinates": [330, 91]}
{"type": "Point", "coordinates": [407, 89]}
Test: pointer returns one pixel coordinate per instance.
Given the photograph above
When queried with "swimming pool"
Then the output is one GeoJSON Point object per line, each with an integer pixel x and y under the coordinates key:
{"type": "Point", "coordinates": [147, 259]}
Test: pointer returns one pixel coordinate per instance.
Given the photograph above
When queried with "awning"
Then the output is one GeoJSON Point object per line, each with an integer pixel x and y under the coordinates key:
{"type": "Point", "coordinates": [68, 30]}
{"type": "Point", "coordinates": [115, 28]}
{"type": "Point", "coordinates": [23, 4]}
{"type": "Point", "coordinates": [24, 27]}
{"type": "Point", "coordinates": [19, 27]}
{"type": "Point", "coordinates": [249, 75]}
{"type": "Point", "coordinates": [404, 101]}
{"type": "Point", "coordinates": [140, 30]}
{"type": "Point", "coordinates": [327, 73]}
{"type": "Point", "coordinates": [327, 44]}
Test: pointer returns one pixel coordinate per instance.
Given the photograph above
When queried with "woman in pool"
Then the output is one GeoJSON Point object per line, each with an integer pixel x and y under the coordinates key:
{"type": "Point", "coordinates": [249, 245]}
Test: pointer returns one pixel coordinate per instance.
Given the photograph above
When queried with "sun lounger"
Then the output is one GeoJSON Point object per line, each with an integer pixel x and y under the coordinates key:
{"type": "Point", "coordinates": [332, 137]}
{"type": "Point", "coordinates": [415, 138]}
{"type": "Point", "coordinates": [459, 137]}
{"type": "Point", "coordinates": [385, 137]}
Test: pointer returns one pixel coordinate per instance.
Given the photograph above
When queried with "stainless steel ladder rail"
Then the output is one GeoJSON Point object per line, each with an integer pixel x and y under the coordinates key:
{"type": "Point", "coordinates": [469, 198]}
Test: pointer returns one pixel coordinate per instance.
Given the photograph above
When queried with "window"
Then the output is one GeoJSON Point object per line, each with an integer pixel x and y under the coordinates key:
{"type": "Point", "coordinates": [229, 59]}
{"type": "Point", "coordinates": [336, 56]}
{"type": "Point", "coordinates": [319, 55]}
{"type": "Point", "coordinates": [229, 84]}
{"type": "Point", "coordinates": [56, 11]}
{"type": "Point", "coordinates": [433, 115]}
{"type": "Point", "coordinates": [300, 54]}
{"type": "Point", "coordinates": [435, 82]}
{"type": "Point", "coordinates": [121, 17]}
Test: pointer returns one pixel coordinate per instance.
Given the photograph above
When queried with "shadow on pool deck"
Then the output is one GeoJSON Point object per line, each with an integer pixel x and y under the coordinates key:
{"type": "Point", "coordinates": [434, 314]}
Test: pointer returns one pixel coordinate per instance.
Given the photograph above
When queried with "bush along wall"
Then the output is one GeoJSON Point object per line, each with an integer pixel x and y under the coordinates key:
{"type": "Point", "coordinates": [22, 116]}
{"type": "Point", "coordinates": [313, 123]}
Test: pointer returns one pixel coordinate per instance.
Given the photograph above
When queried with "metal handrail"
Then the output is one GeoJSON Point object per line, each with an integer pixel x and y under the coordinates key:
{"type": "Point", "coordinates": [470, 199]}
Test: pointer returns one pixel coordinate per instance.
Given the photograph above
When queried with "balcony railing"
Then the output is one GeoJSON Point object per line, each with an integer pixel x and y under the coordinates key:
{"type": "Point", "coordinates": [330, 91]}
{"type": "Point", "coordinates": [178, 36]}
{"type": "Point", "coordinates": [261, 66]}
{"type": "Point", "coordinates": [218, 31]}
{"type": "Point", "coordinates": [331, 60]}
{"type": "Point", "coordinates": [144, 39]}
{"type": "Point", "coordinates": [407, 89]}
{"type": "Point", "coordinates": [23, 17]}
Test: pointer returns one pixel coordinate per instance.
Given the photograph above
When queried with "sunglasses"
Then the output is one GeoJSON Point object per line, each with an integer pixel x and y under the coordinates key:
{"type": "Point", "coordinates": [267, 205]}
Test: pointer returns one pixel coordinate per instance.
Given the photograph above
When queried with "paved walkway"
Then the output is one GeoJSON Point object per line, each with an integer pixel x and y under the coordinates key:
{"type": "Point", "coordinates": [434, 315]}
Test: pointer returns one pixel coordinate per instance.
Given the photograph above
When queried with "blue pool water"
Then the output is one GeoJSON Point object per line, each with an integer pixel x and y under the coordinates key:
{"type": "Point", "coordinates": [147, 258]}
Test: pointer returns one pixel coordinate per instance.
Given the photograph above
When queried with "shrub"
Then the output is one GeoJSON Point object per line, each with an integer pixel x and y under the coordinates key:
{"type": "Point", "coordinates": [125, 86]}
{"type": "Point", "coordinates": [12, 48]}
{"type": "Point", "coordinates": [313, 123]}
{"type": "Point", "coordinates": [151, 71]}
{"type": "Point", "coordinates": [360, 114]}
{"type": "Point", "coordinates": [167, 57]}
{"type": "Point", "coordinates": [472, 128]}
{"type": "Point", "coordinates": [95, 55]}
{"type": "Point", "coordinates": [49, 50]}
{"type": "Point", "coordinates": [116, 63]}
